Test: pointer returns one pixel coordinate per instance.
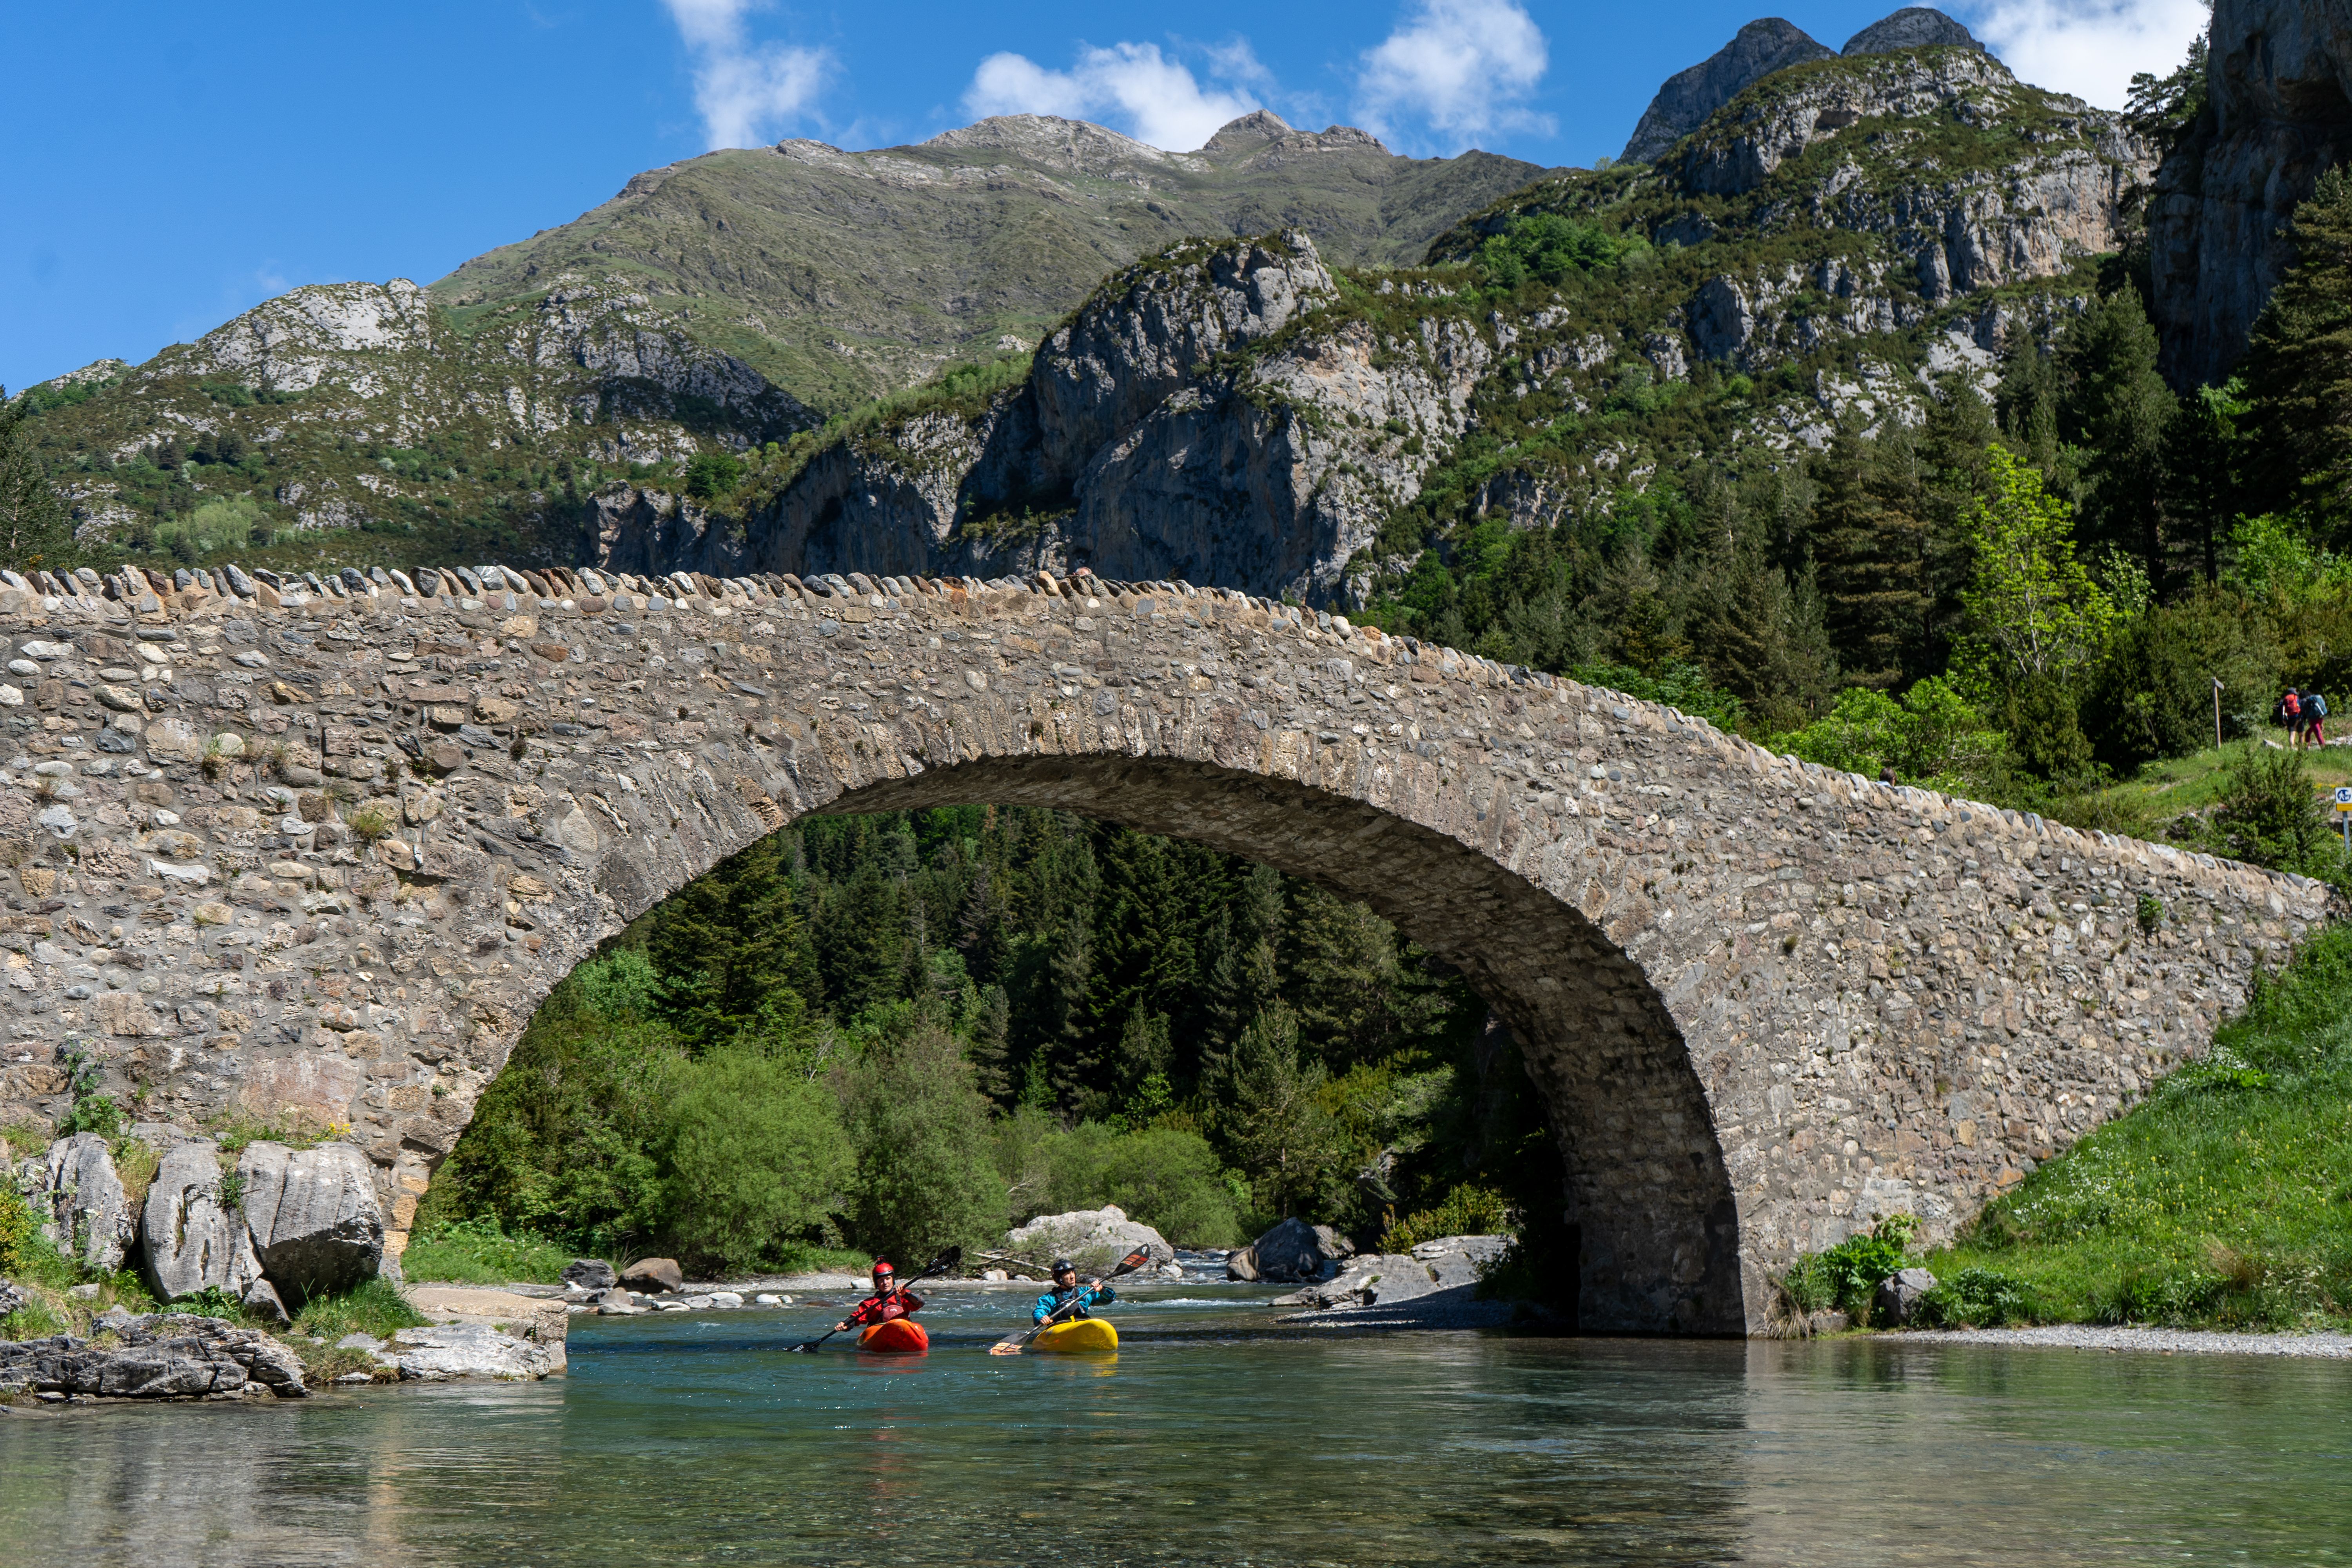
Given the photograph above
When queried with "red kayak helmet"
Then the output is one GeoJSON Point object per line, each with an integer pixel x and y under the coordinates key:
{"type": "Point", "coordinates": [882, 1267]}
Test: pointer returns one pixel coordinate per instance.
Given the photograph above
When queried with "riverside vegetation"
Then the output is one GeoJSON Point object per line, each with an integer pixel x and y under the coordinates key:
{"type": "Point", "coordinates": [899, 1033]}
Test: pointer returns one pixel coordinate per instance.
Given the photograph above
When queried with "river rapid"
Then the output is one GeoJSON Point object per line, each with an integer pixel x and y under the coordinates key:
{"type": "Point", "coordinates": [1212, 1438]}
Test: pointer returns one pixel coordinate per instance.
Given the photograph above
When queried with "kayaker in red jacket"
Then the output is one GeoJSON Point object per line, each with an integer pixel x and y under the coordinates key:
{"type": "Point", "coordinates": [888, 1301]}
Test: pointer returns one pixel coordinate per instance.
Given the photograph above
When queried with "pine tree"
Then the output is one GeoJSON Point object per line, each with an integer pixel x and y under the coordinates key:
{"type": "Point", "coordinates": [2116, 409]}
{"type": "Point", "coordinates": [35, 530]}
{"type": "Point", "coordinates": [2299, 365]}
{"type": "Point", "coordinates": [1870, 548]}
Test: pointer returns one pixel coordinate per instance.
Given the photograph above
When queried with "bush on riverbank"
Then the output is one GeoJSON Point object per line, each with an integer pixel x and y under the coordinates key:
{"type": "Point", "coordinates": [483, 1252]}
{"type": "Point", "coordinates": [1166, 1177]}
{"type": "Point", "coordinates": [2223, 1201]}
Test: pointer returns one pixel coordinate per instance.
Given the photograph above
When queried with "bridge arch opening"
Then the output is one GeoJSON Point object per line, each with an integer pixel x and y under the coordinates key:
{"type": "Point", "coordinates": [1648, 1202]}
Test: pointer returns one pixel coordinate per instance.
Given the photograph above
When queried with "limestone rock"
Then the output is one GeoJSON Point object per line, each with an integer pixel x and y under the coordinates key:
{"type": "Point", "coordinates": [2275, 121]}
{"type": "Point", "coordinates": [652, 1275]}
{"type": "Point", "coordinates": [1455, 1260]}
{"type": "Point", "coordinates": [1898, 1295]}
{"type": "Point", "coordinates": [590, 1274]}
{"type": "Point", "coordinates": [1093, 1239]}
{"type": "Point", "coordinates": [1291, 1251]}
{"type": "Point", "coordinates": [190, 1243]}
{"type": "Point", "coordinates": [85, 1211]}
{"type": "Point", "coordinates": [163, 1355]}
{"type": "Point", "coordinates": [11, 1299]}
{"type": "Point", "coordinates": [312, 1216]}
{"type": "Point", "coordinates": [1367, 1281]}
{"type": "Point", "coordinates": [261, 1299]}
{"type": "Point", "coordinates": [1913, 27]}
{"type": "Point", "coordinates": [1689, 97]}
{"type": "Point", "coordinates": [468, 1350]}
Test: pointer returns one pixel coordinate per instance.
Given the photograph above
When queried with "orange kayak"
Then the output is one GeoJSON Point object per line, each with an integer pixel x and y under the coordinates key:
{"type": "Point", "coordinates": [900, 1336]}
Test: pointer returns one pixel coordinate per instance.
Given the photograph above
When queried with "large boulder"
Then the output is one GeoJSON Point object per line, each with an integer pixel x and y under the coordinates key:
{"type": "Point", "coordinates": [85, 1211]}
{"type": "Point", "coordinates": [193, 1242]}
{"type": "Point", "coordinates": [653, 1276]}
{"type": "Point", "coordinates": [312, 1217]}
{"type": "Point", "coordinates": [1455, 1259]}
{"type": "Point", "coordinates": [1293, 1252]}
{"type": "Point", "coordinates": [590, 1274]}
{"type": "Point", "coordinates": [1093, 1239]}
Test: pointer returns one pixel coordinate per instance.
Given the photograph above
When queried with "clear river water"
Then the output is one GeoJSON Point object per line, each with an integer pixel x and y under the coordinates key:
{"type": "Point", "coordinates": [1212, 1439]}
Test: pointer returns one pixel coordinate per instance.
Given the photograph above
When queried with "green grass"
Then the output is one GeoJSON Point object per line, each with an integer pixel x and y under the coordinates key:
{"type": "Point", "coordinates": [480, 1252]}
{"type": "Point", "coordinates": [2166, 790]}
{"type": "Point", "coordinates": [2225, 1200]}
{"type": "Point", "coordinates": [371, 1307]}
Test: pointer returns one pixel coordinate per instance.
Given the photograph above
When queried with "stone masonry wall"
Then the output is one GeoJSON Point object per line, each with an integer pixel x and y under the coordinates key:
{"type": "Point", "coordinates": [311, 853]}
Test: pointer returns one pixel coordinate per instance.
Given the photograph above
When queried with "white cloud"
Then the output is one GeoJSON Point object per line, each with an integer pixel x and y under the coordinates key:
{"type": "Point", "coordinates": [1151, 97]}
{"type": "Point", "coordinates": [2089, 48]}
{"type": "Point", "coordinates": [1459, 68]}
{"type": "Point", "coordinates": [744, 91]}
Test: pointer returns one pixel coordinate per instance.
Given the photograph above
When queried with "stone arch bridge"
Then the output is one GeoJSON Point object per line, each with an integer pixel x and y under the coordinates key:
{"type": "Point", "coordinates": [318, 849]}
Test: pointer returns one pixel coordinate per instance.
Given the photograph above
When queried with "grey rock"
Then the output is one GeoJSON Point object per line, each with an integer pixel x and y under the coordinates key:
{"type": "Point", "coordinates": [1456, 1260]}
{"type": "Point", "coordinates": [1898, 1294]}
{"type": "Point", "coordinates": [84, 1211]}
{"type": "Point", "coordinates": [261, 1299]}
{"type": "Point", "coordinates": [1689, 97]}
{"type": "Point", "coordinates": [2275, 119]}
{"type": "Point", "coordinates": [617, 1303]}
{"type": "Point", "coordinates": [590, 1274]}
{"type": "Point", "coordinates": [11, 1299]}
{"type": "Point", "coordinates": [1367, 1281]}
{"type": "Point", "coordinates": [653, 1274]}
{"type": "Point", "coordinates": [190, 1243]}
{"type": "Point", "coordinates": [161, 1355]}
{"type": "Point", "coordinates": [1291, 1251]}
{"type": "Point", "coordinates": [359, 1342]}
{"type": "Point", "coordinates": [239, 583]}
{"type": "Point", "coordinates": [1913, 27]}
{"type": "Point", "coordinates": [1093, 1239]}
{"type": "Point", "coordinates": [312, 1215]}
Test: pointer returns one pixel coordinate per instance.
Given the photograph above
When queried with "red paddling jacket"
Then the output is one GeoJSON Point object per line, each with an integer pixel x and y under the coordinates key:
{"type": "Point", "coordinates": [885, 1305]}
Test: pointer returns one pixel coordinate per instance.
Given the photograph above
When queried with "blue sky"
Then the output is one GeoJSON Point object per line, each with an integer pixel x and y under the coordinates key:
{"type": "Point", "coordinates": [170, 167]}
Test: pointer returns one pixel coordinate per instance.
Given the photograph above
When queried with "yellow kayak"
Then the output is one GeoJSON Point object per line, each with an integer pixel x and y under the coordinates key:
{"type": "Point", "coordinates": [1080, 1336]}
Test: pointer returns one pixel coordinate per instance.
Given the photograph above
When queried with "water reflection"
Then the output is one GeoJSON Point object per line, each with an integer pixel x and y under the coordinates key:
{"type": "Point", "coordinates": [1207, 1442]}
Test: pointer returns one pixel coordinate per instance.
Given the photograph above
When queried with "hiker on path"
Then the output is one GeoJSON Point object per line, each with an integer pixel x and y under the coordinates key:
{"type": "Point", "coordinates": [2315, 715]}
{"type": "Point", "coordinates": [2289, 713]}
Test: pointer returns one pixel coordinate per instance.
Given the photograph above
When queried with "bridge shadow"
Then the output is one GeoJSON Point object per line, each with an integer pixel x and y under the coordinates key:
{"type": "Point", "coordinates": [1648, 1195]}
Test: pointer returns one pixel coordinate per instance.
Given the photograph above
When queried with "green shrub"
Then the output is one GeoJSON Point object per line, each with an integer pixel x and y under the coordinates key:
{"type": "Point", "coordinates": [20, 1231]}
{"type": "Point", "coordinates": [1165, 1177]}
{"type": "Point", "coordinates": [757, 1160]}
{"type": "Point", "coordinates": [1847, 1275]}
{"type": "Point", "coordinates": [1976, 1298]}
{"type": "Point", "coordinates": [1468, 1210]}
{"type": "Point", "coordinates": [925, 1177]}
{"type": "Point", "coordinates": [371, 1307]}
{"type": "Point", "coordinates": [482, 1252]}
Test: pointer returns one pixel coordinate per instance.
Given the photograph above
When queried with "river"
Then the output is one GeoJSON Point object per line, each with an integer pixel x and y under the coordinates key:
{"type": "Point", "coordinates": [695, 1438]}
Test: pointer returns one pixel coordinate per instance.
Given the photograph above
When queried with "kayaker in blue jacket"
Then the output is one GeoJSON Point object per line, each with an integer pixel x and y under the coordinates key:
{"type": "Point", "coordinates": [1093, 1293]}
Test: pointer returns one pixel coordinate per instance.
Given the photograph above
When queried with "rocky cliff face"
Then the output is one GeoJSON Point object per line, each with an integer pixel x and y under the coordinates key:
{"type": "Point", "coordinates": [1212, 413]}
{"type": "Point", "coordinates": [2277, 114]}
{"type": "Point", "coordinates": [1689, 97]}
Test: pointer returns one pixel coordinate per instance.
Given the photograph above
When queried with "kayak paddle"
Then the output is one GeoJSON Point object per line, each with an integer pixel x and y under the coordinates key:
{"type": "Point", "coordinates": [1013, 1344]}
{"type": "Point", "coordinates": [940, 1265]}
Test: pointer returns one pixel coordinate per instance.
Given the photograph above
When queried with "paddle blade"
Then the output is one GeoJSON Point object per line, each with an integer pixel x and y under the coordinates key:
{"type": "Point", "coordinates": [1131, 1262]}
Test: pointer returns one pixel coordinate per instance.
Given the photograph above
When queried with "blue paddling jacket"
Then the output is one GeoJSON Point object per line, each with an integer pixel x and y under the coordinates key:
{"type": "Point", "coordinates": [1085, 1296]}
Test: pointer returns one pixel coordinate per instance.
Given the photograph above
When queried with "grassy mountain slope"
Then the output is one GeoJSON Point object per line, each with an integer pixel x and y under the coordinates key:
{"type": "Point", "coordinates": [711, 306]}
{"type": "Point", "coordinates": [843, 276]}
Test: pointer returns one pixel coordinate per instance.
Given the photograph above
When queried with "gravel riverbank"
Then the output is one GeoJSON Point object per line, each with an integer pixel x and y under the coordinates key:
{"type": "Point", "coordinates": [2152, 1342]}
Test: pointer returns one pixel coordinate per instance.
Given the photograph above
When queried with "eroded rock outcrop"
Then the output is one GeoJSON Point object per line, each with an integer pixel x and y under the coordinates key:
{"type": "Point", "coordinates": [2277, 114]}
{"type": "Point", "coordinates": [1189, 422]}
{"type": "Point", "coordinates": [1689, 97]}
{"type": "Point", "coordinates": [163, 1355]}
{"type": "Point", "coordinates": [85, 1210]}
{"type": "Point", "coordinates": [1093, 1239]}
{"type": "Point", "coordinates": [312, 1215]}
{"type": "Point", "coordinates": [192, 1241]}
